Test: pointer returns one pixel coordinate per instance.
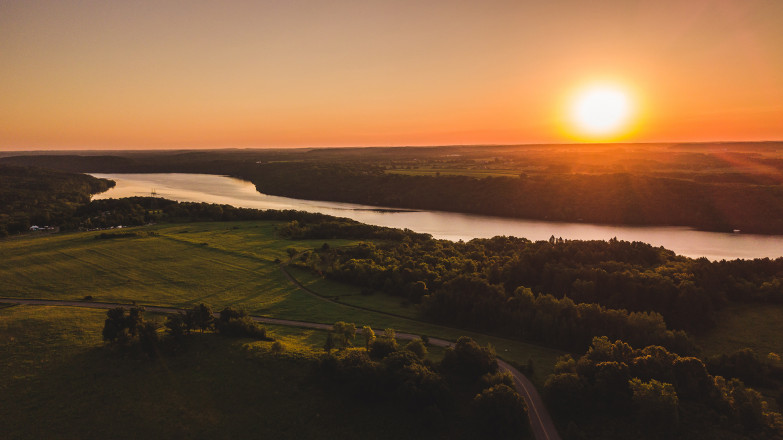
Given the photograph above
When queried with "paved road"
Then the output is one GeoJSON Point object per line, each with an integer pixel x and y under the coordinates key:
{"type": "Point", "coordinates": [540, 421]}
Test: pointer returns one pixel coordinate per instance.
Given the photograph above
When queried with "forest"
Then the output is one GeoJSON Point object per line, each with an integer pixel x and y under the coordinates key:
{"type": "Point", "coordinates": [716, 187]}
{"type": "Point", "coordinates": [35, 196]}
{"type": "Point", "coordinates": [499, 272]}
{"type": "Point", "coordinates": [575, 295]}
{"type": "Point", "coordinates": [615, 391]}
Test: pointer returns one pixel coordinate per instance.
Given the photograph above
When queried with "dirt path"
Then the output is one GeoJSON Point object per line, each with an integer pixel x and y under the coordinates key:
{"type": "Point", "coordinates": [540, 421]}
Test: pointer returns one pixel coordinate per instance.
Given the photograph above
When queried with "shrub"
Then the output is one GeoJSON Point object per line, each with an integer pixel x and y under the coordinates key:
{"type": "Point", "coordinates": [382, 347]}
{"type": "Point", "coordinates": [418, 348]}
{"type": "Point", "coordinates": [241, 327]}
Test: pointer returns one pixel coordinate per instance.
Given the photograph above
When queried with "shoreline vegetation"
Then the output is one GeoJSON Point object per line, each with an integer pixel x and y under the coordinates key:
{"type": "Point", "coordinates": [627, 312]}
{"type": "Point", "coordinates": [714, 187]}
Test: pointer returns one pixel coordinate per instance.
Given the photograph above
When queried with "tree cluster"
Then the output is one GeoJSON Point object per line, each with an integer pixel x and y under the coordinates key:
{"type": "Point", "coordinates": [663, 393]}
{"type": "Point", "coordinates": [127, 329]}
{"type": "Point", "coordinates": [35, 196]}
{"type": "Point", "coordinates": [747, 365]}
{"type": "Point", "coordinates": [465, 383]}
{"type": "Point", "coordinates": [581, 289]}
{"type": "Point", "coordinates": [681, 185]}
{"type": "Point", "coordinates": [612, 198]}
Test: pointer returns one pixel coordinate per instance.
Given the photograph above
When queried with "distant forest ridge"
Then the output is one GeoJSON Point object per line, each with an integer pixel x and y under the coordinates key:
{"type": "Point", "coordinates": [715, 187]}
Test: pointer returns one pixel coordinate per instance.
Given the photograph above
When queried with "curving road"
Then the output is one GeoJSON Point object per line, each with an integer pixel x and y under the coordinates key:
{"type": "Point", "coordinates": [540, 421]}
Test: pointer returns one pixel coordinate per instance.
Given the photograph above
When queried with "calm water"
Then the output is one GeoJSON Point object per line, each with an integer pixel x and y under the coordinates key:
{"type": "Point", "coordinates": [451, 226]}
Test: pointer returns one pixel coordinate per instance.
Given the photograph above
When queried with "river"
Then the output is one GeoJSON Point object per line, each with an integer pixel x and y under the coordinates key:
{"type": "Point", "coordinates": [446, 225]}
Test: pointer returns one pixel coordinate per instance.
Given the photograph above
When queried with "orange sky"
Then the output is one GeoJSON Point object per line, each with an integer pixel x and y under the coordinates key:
{"type": "Point", "coordinates": [198, 74]}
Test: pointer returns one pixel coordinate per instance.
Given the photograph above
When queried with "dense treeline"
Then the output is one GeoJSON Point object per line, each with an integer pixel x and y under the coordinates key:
{"type": "Point", "coordinates": [616, 391]}
{"type": "Point", "coordinates": [465, 285]}
{"type": "Point", "coordinates": [36, 196]}
{"type": "Point", "coordinates": [607, 198]}
{"type": "Point", "coordinates": [558, 291]}
{"type": "Point", "coordinates": [632, 185]}
{"type": "Point", "coordinates": [763, 372]}
{"type": "Point", "coordinates": [135, 211]}
{"type": "Point", "coordinates": [464, 385]}
{"type": "Point", "coordinates": [53, 198]}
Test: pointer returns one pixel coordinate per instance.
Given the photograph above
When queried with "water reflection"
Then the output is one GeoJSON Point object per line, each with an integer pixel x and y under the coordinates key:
{"type": "Point", "coordinates": [451, 226]}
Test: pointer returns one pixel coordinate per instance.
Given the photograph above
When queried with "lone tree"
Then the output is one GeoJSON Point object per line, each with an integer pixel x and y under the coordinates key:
{"type": "Point", "coordinates": [369, 336]}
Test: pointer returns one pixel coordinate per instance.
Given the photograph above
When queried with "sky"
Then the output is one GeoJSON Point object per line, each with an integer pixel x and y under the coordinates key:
{"type": "Point", "coordinates": [290, 73]}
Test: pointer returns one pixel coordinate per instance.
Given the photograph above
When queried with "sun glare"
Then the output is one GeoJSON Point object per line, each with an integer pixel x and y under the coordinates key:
{"type": "Point", "coordinates": [601, 111]}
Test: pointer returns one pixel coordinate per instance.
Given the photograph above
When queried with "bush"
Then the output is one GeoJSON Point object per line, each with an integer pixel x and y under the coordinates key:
{"type": "Point", "coordinates": [175, 325]}
{"type": "Point", "coordinates": [382, 347]}
{"type": "Point", "coordinates": [242, 327]}
{"type": "Point", "coordinates": [418, 348]}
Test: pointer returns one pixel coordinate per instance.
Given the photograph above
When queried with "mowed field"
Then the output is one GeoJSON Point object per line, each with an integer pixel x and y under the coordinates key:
{"type": "Point", "coordinates": [220, 264]}
{"type": "Point", "coordinates": [57, 380]}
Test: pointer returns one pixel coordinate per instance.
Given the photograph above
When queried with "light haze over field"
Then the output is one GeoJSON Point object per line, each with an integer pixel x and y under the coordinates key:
{"type": "Point", "coordinates": [192, 74]}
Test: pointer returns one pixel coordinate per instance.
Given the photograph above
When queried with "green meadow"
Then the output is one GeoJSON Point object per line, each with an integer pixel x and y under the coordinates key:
{"type": "Point", "coordinates": [58, 380]}
{"type": "Point", "coordinates": [756, 326]}
{"type": "Point", "coordinates": [222, 264]}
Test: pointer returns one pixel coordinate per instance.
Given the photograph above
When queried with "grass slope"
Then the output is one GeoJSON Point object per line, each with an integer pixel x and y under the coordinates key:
{"type": "Point", "coordinates": [756, 326]}
{"type": "Point", "coordinates": [221, 264]}
{"type": "Point", "coordinates": [57, 381]}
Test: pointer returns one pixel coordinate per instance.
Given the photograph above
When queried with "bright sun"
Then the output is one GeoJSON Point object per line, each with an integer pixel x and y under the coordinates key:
{"type": "Point", "coordinates": [601, 110]}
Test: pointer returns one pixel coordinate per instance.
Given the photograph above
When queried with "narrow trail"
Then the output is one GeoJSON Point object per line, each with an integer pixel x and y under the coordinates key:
{"type": "Point", "coordinates": [540, 422]}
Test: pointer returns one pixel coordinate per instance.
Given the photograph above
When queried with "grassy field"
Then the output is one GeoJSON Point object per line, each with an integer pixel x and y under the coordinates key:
{"type": "Point", "coordinates": [757, 326]}
{"type": "Point", "coordinates": [221, 264]}
{"type": "Point", "coordinates": [58, 381]}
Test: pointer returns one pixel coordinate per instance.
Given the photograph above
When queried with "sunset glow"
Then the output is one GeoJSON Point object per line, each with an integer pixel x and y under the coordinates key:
{"type": "Point", "coordinates": [601, 111]}
{"type": "Point", "coordinates": [152, 74]}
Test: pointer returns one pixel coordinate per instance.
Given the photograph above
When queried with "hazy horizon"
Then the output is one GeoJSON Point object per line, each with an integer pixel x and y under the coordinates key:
{"type": "Point", "coordinates": [542, 144]}
{"type": "Point", "coordinates": [203, 75]}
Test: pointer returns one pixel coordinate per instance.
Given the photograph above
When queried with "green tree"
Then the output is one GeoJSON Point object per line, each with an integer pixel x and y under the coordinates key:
{"type": "Point", "coordinates": [345, 333]}
{"type": "Point", "coordinates": [199, 317]}
{"type": "Point", "coordinates": [468, 361]}
{"type": "Point", "coordinates": [382, 347]}
{"type": "Point", "coordinates": [656, 403]}
{"type": "Point", "coordinates": [115, 325]}
{"type": "Point", "coordinates": [417, 347]}
{"type": "Point", "coordinates": [500, 412]}
{"type": "Point", "coordinates": [135, 320]}
{"type": "Point", "coordinates": [149, 339]}
{"type": "Point", "coordinates": [329, 343]}
{"type": "Point", "coordinates": [175, 325]}
{"type": "Point", "coordinates": [369, 336]}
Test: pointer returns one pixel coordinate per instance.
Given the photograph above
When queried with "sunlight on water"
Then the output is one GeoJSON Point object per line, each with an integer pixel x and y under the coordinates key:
{"type": "Point", "coordinates": [446, 225]}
